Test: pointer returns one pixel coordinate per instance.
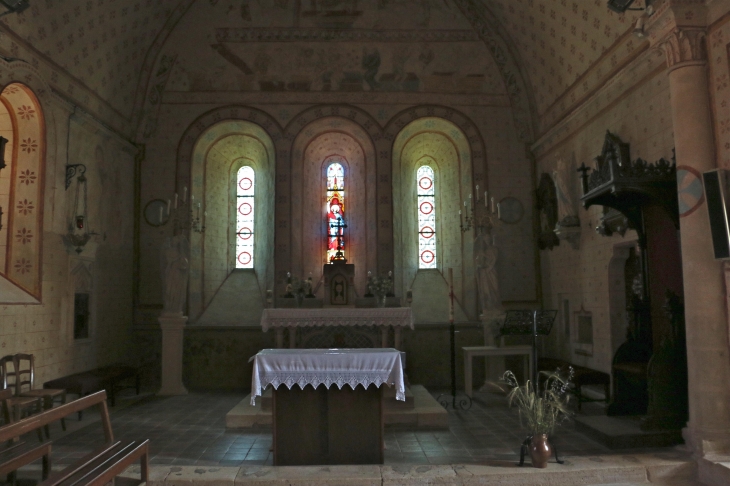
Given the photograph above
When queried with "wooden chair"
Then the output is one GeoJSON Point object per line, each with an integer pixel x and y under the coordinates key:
{"type": "Point", "coordinates": [24, 372]}
{"type": "Point", "coordinates": [15, 407]}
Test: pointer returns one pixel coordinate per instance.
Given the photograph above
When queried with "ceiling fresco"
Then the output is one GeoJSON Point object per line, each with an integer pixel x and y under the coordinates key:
{"type": "Point", "coordinates": [114, 47]}
{"type": "Point", "coordinates": [558, 40]}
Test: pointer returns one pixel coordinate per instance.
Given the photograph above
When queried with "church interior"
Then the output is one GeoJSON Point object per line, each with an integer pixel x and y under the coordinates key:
{"type": "Point", "coordinates": [537, 184]}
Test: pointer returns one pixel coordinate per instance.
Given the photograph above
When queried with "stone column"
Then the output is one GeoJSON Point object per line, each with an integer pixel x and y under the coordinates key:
{"type": "Point", "coordinates": [704, 291]}
{"type": "Point", "coordinates": [172, 354]}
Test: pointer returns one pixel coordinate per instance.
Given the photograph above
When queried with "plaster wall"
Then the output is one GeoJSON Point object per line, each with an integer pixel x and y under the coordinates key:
{"type": "Point", "coordinates": [642, 118]}
{"type": "Point", "coordinates": [45, 329]}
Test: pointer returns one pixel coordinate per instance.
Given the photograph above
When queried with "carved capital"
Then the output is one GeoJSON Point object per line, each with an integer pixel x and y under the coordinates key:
{"type": "Point", "coordinates": [685, 45]}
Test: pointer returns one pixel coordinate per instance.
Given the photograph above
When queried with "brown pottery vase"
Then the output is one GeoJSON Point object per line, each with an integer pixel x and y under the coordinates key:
{"type": "Point", "coordinates": [540, 450]}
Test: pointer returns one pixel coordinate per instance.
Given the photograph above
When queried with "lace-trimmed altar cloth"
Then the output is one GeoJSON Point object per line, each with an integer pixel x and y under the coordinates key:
{"type": "Point", "coordinates": [327, 367]}
{"type": "Point", "coordinates": [388, 316]}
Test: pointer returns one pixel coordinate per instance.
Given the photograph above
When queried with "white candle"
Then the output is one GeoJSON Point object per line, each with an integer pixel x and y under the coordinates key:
{"type": "Point", "coordinates": [492, 204]}
{"type": "Point", "coordinates": [486, 201]}
{"type": "Point", "coordinates": [168, 207]}
{"type": "Point", "coordinates": [185, 194]}
{"type": "Point", "coordinates": [161, 216]}
{"type": "Point", "coordinates": [175, 200]}
{"type": "Point", "coordinates": [499, 213]}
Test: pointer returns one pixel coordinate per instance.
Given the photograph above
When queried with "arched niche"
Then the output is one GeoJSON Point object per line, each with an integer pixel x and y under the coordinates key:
{"type": "Point", "coordinates": [441, 145]}
{"type": "Point", "coordinates": [217, 155]}
{"type": "Point", "coordinates": [21, 195]}
{"type": "Point", "coordinates": [313, 146]}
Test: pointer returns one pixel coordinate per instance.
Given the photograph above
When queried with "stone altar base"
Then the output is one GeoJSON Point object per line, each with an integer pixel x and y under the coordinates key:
{"type": "Point", "coordinates": [419, 411]}
{"type": "Point", "coordinates": [625, 432]}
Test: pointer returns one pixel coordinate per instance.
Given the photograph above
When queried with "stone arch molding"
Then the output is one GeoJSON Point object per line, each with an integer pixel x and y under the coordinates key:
{"type": "Point", "coordinates": [28, 100]}
{"type": "Point", "coordinates": [382, 138]}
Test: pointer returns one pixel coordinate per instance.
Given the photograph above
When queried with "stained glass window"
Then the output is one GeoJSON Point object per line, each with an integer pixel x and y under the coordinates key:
{"type": "Point", "coordinates": [245, 217]}
{"type": "Point", "coordinates": [426, 217]}
{"type": "Point", "coordinates": [335, 210]}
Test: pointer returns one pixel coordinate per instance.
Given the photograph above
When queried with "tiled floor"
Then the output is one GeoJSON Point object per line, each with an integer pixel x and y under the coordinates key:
{"type": "Point", "coordinates": [190, 430]}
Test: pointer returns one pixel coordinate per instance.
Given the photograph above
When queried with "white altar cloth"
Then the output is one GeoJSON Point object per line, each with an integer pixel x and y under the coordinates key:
{"type": "Point", "coordinates": [387, 316]}
{"type": "Point", "coordinates": [328, 367]}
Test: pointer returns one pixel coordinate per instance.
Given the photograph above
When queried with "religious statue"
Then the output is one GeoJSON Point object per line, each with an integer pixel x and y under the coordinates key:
{"type": "Point", "coordinates": [337, 225]}
{"type": "Point", "coordinates": [175, 264]}
{"type": "Point", "coordinates": [485, 261]}
{"type": "Point", "coordinates": [567, 215]}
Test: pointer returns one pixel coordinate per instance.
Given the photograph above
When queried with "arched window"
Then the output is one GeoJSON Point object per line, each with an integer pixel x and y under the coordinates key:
{"type": "Point", "coordinates": [425, 184]}
{"type": "Point", "coordinates": [246, 184]}
{"type": "Point", "coordinates": [335, 210]}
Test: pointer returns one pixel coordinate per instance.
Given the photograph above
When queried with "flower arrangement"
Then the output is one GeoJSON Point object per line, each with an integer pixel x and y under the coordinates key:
{"type": "Point", "coordinates": [544, 409]}
{"type": "Point", "coordinates": [380, 286]}
{"type": "Point", "coordinates": [298, 287]}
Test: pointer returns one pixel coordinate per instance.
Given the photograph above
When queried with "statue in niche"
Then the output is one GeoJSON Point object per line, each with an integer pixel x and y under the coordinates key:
{"type": "Point", "coordinates": [567, 215]}
{"type": "Point", "coordinates": [485, 261]}
{"type": "Point", "coordinates": [175, 265]}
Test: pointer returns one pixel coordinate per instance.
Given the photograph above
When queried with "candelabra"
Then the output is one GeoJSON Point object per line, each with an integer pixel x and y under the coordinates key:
{"type": "Point", "coordinates": [472, 217]}
{"type": "Point", "coordinates": [182, 219]}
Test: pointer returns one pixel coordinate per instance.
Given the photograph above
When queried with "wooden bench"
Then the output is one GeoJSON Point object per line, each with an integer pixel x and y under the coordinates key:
{"type": "Point", "coordinates": [109, 378]}
{"type": "Point", "coordinates": [16, 453]}
{"type": "Point", "coordinates": [97, 468]}
{"type": "Point", "coordinates": [582, 376]}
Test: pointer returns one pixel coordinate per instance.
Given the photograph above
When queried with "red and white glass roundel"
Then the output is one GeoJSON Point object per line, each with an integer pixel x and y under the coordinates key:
{"type": "Point", "coordinates": [426, 207]}
{"type": "Point", "coordinates": [244, 258]}
{"type": "Point", "coordinates": [245, 183]}
{"type": "Point", "coordinates": [427, 232]}
{"type": "Point", "coordinates": [425, 183]}
{"type": "Point", "coordinates": [245, 233]}
{"type": "Point", "coordinates": [427, 256]}
{"type": "Point", "coordinates": [245, 209]}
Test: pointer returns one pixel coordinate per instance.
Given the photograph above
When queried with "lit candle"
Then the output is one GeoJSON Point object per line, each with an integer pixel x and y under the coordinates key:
{"type": "Point", "coordinates": [185, 194]}
{"type": "Point", "coordinates": [492, 205]}
{"type": "Point", "coordinates": [175, 200]}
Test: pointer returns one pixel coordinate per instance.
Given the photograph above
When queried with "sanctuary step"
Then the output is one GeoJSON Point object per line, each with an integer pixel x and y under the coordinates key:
{"type": "Point", "coordinates": [420, 410]}
{"type": "Point", "coordinates": [624, 432]}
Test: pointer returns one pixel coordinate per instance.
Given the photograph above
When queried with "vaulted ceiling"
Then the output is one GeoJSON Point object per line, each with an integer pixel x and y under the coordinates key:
{"type": "Point", "coordinates": [110, 46]}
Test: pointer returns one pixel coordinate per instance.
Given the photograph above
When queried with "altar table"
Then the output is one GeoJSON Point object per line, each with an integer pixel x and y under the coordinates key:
{"type": "Point", "coordinates": [292, 318]}
{"type": "Point", "coordinates": [321, 423]}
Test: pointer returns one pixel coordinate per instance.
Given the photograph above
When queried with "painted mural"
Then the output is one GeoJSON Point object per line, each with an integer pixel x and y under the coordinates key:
{"type": "Point", "coordinates": [336, 45]}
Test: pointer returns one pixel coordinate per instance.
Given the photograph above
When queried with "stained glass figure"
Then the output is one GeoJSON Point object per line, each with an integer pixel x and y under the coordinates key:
{"type": "Point", "coordinates": [245, 217]}
{"type": "Point", "coordinates": [425, 184]}
{"type": "Point", "coordinates": [335, 210]}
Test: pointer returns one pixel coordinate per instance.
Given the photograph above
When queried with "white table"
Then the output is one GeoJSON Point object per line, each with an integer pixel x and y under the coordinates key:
{"type": "Point", "coordinates": [291, 319]}
{"type": "Point", "coordinates": [489, 351]}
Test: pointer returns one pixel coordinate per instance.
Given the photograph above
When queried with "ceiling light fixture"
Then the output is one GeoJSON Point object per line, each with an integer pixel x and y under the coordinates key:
{"type": "Point", "coordinates": [14, 6]}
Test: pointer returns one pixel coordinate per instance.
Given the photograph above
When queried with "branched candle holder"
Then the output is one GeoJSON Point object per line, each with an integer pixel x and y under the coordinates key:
{"type": "Point", "coordinates": [474, 216]}
{"type": "Point", "coordinates": [185, 220]}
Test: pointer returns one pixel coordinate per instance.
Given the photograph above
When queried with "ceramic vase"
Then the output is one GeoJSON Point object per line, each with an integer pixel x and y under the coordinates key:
{"type": "Point", "coordinates": [540, 450]}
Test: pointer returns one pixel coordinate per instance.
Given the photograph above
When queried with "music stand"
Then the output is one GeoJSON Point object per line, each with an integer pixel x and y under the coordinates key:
{"type": "Point", "coordinates": [529, 322]}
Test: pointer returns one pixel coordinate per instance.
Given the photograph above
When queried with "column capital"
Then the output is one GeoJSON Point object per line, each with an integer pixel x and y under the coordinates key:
{"type": "Point", "coordinates": [685, 45]}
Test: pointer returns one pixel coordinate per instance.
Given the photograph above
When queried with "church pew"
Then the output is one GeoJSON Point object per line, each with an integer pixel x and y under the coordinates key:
{"type": "Point", "coordinates": [97, 468]}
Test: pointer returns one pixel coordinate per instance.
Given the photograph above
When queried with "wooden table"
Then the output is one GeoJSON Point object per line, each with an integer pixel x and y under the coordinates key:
{"type": "Point", "coordinates": [327, 403]}
{"type": "Point", "coordinates": [489, 351]}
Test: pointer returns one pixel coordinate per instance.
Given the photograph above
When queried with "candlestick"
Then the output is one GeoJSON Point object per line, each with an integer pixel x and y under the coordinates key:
{"type": "Point", "coordinates": [451, 295]}
{"type": "Point", "coordinates": [175, 200]}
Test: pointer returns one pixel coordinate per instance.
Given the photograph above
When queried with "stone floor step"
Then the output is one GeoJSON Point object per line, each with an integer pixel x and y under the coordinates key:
{"type": "Point", "coordinates": [423, 413]}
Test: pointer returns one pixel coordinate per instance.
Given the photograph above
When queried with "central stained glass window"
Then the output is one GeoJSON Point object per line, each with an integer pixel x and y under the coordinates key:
{"type": "Point", "coordinates": [426, 217]}
{"type": "Point", "coordinates": [245, 217]}
{"type": "Point", "coordinates": [335, 211]}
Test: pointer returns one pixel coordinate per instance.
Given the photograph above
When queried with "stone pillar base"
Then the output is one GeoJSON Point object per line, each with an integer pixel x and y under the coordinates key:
{"type": "Point", "coordinates": [172, 354]}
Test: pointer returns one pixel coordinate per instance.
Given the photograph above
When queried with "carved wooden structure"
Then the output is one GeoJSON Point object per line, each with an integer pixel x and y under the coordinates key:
{"type": "Point", "coordinates": [629, 191]}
